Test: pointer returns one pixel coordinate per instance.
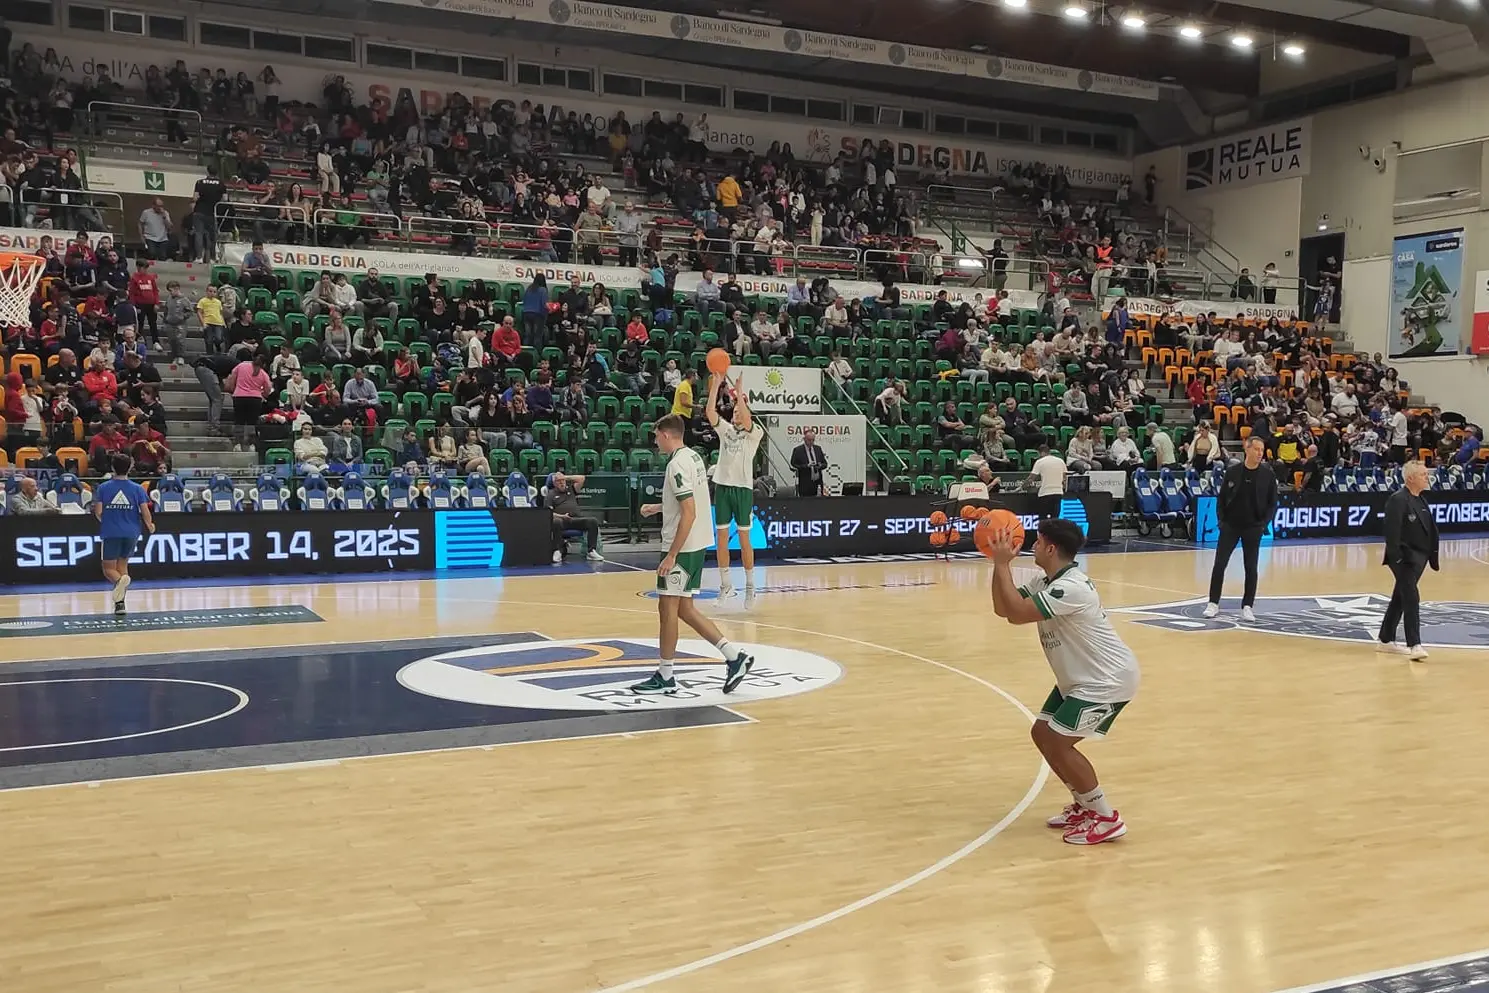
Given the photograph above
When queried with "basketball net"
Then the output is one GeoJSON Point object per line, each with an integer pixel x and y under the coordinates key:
{"type": "Point", "coordinates": [19, 274]}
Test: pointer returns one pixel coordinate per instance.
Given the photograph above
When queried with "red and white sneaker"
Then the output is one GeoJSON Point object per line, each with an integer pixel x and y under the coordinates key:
{"type": "Point", "coordinates": [1070, 817]}
{"type": "Point", "coordinates": [1095, 829]}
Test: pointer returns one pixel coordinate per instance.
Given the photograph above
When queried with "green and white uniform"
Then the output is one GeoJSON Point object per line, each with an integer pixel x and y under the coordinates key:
{"type": "Point", "coordinates": [686, 476]}
{"type": "Point", "coordinates": [734, 476]}
{"type": "Point", "coordinates": [1096, 674]}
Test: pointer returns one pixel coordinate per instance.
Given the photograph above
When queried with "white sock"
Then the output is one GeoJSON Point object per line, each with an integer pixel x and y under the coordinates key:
{"type": "Point", "coordinates": [724, 583]}
{"type": "Point", "coordinates": [665, 668]}
{"type": "Point", "coordinates": [727, 647]}
{"type": "Point", "coordinates": [1095, 800]}
{"type": "Point", "coordinates": [749, 579]}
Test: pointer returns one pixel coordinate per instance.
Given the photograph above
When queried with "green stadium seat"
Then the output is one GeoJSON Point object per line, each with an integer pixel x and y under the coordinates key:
{"type": "Point", "coordinates": [641, 460]}
{"type": "Point", "coordinates": [633, 409]}
{"type": "Point", "coordinates": [273, 342]}
{"type": "Point", "coordinates": [416, 405]}
{"type": "Point", "coordinates": [287, 302]}
{"type": "Point", "coordinates": [612, 460]}
{"type": "Point", "coordinates": [379, 457]}
{"type": "Point", "coordinates": [298, 326]}
{"type": "Point", "coordinates": [586, 461]}
{"type": "Point", "coordinates": [530, 464]}
{"type": "Point", "coordinates": [219, 271]}
{"type": "Point", "coordinates": [925, 483]}
{"type": "Point", "coordinates": [558, 460]}
{"type": "Point", "coordinates": [502, 462]}
{"type": "Point", "coordinates": [266, 319]}
{"type": "Point", "coordinates": [389, 400]}
{"type": "Point", "coordinates": [545, 433]}
{"type": "Point", "coordinates": [607, 408]}
{"type": "Point", "coordinates": [625, 434]}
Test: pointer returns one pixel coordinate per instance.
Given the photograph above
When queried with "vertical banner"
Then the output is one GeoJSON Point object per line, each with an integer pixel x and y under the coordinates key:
{"type": "Point", "coordinates": [1480, 342]}
{"type": "Point", "coordinates": [1426, 315]}
{"type": "Point", "coordinates": [843, 439]}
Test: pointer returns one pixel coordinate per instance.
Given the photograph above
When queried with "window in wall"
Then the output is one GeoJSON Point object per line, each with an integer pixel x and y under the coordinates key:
{"type": "Point", "coordinates": [793, 106]}
{"type": "Point", "coordinates": [752, 101]}
{"type": "Point", "coordinates": [659, 90]}
{"type": "Point", "coordinates": [529, 74]}
{"type": "Point", "coordinates": [478, 68]}
{"type": "Point", "coordinates": [865, 114]}
{"type": "Point", "coordinates": [621, 86]}
{"type": "Point", "coordinates": [166, 28]}
{"type": "Point", "coordinates": [333, 49]}
{"type": "Point", "coordinates": [556, 78]}
{"type": "Point", "coordinates": [1081, 139]}
{"type": "Point", "coordinates": [1106, 142]}
{"type": "Point", "coordinates": [581, 80]}
{"type": "Point", "coordinates": [825, 110]}
{"type": "Point", "coordinates": [950, 124]}
{"type": "Point", "coordinates": [225, 35]}
{"type": "Point", "coordinates": [86, 18]}
{"type": "Point", "coordinates": [26, 11]}
{"type": "Point", "coordinates": [912, 120]}
{"type": "Point", "coordinates": [389, 56]}
{"type": "Point", "coordinates": [706, 96]}
{"type": "Point", "coordinates": [983, 129]}
{"type": "Point", "coordinates": [1051, 136]}
{"type": "Point", "coordinates": [437, 62]}
{"type": "Point", "coordinates": [1011, 131]}
{"type": "Point", "coordinates": [126, 22]}
{"type": "Point", "coordinates": [273, 41]}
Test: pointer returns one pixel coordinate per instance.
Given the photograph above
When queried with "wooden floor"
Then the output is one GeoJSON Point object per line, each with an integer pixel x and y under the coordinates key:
{"type": "Point", "coordinates": [1300, 810]}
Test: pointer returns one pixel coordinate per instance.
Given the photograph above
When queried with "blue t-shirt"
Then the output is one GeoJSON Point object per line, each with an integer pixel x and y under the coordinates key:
{"type": "Point", "coordinates": [122, 500]}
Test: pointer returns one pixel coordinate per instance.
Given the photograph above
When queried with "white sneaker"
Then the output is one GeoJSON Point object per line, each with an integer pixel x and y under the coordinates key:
{"type": "Point", "coordinates": [120, 588]}
{"type": "Point", "coordinates": [237, 448]}
{"type": "Point", "coordinates": [1248, 615]}
{"type": "Point", "coordinates": [1212, 610]}
{"type": "Point", "coordinates": [1416, 653]}
{"type": "Point", "coordinates": [727, 592]}
{"type": "Point", "coordinates": [749, 597]}
{"type": "Point", "coordinates": [558, 558]}
{"type": "Point", "coordinates": [1391, 648]}
{"type": "Point", "coordinates": [595, 556]}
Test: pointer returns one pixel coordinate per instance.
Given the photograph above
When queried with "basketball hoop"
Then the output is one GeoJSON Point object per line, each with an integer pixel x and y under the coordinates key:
{"type": "Point", "coordinates": [19, 274]}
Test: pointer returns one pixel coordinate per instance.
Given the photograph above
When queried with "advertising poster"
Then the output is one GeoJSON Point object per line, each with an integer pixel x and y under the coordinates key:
{"type": "Point", "coordinates": [1427, 304]}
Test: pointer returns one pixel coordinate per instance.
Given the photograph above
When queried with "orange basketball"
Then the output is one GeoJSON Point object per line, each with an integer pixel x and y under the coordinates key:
{"type": "Point", "coordinates": [953, 536]}
{"type": "Point", "coordinates": [938, 538]}
{"type": "Point", "coordinates": [718, 361]}
{"type": "Point", "coordinates": [938, 519]}
{"type": "Point", "coordinates": [971, 513]}
{"type": "Point", "coordinates": [993, 522]}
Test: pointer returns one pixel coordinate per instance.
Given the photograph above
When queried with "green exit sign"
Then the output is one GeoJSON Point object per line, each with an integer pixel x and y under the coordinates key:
{"type": "Point", "coordinates": [154, 182]}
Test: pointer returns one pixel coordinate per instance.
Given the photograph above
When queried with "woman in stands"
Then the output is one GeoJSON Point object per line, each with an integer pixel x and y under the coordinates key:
{"type": "Point", "coordinates": [249, 385]}
{"type": "Point", "coordinates": [471, 456]}
{"type": "Point", "coordinates": [1203, 448]}
{"type": "Point", "coordinates": [310, 451]}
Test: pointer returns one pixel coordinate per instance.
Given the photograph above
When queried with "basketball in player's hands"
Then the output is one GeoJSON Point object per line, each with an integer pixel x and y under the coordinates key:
{"type": "Point", "coordinates": [718, 361]}
{"type": "Point", "coordinates": [995, 523]}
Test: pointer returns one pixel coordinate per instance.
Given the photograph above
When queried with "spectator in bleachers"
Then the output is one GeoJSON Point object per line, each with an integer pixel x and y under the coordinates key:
{"type": "Point", "coordinates": [108, 441]}
{"type": "Point", "coordinates": [1203, 447]}
{"type": "Point", "coordinates": [27, 500]}
{"type": "Point", "coordinates": [249, 386]}
{"type": "Point", "coordinates": [954, 433]}
{"type": "Point", "coordinates": [149, 450]}
{"type": "Point", "coordinates": [534, 312]}
{"type": "Point", "coordinates": [367, 344]}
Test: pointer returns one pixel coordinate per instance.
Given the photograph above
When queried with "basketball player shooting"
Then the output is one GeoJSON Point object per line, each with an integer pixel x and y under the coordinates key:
{"type": "Point", "coordinates": [1096, 674]}
{"type": "Point", "coordinates": [734, 482]}
{"type": "Point", "coordinates": [687, 528]}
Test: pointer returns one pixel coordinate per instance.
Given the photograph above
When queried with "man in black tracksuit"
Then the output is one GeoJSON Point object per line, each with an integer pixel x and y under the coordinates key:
{"type": "Point", "coordinates": [1247, 501]}
{"type": "Point", "coordinates": [1411, 546]}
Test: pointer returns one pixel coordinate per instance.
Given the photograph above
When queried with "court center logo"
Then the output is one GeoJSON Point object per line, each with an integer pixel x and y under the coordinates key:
{"type": "Point", "coordinates": [595, 675]}
{"type": "Point", "coordinates": [1352, 617]}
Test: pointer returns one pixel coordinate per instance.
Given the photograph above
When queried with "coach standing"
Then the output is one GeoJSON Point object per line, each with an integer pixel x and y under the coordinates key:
{"type": "Point", "coordinates": [1411, 546]}
{"type": "Point", "coordinates": [1247, 501]}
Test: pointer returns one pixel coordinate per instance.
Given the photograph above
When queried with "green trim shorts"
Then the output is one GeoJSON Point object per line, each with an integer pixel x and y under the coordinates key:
{"type": "Point", "coordinates": [1079, 718]}
{"type": "Point", "coordinates": [686, 577]}
{"type": "Point", "coordinates": [733, 503]}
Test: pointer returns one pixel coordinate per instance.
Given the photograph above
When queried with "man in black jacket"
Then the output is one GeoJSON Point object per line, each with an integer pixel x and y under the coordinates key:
{"type": "Point", "coordinates": [808, 461]}
{"type": "Point", "coordinates": [1411, 546]}
{"type": "Point", "coordinates": [1247, 501]}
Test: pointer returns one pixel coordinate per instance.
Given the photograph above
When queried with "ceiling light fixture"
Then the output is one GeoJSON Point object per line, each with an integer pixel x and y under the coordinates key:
{"type": "Point", "coordinates": [1192, 32]}
{"type": "Point", "coordinates": [1015, 3]}
{"type": "Point", "coordinates": [1293, 49]}
{"type": "Point", "coordinates": [1076, 12]}
{"type": "Point", "coordinates": [1241, 40]}
{"type": "Point", "coordinates": [1134, 22]}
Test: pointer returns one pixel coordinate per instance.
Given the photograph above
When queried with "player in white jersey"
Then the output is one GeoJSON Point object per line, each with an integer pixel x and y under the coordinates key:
{"type": "Point", "coordinates": [687, 529]}
{"type": "Point", "coordinates": [734, 482]}
{"type": "Point", "coordinates": [1096, 674]}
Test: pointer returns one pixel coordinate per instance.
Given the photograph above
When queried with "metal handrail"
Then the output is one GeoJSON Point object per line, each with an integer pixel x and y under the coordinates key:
{"type": "Point", "coordinates": [66, 199]}
{"type": "Point", "coordinates": [874, 428]}
{"type": "Point", "coordinates": [137, 110]}
{"type": "Point", "coordinates": [447, 227]}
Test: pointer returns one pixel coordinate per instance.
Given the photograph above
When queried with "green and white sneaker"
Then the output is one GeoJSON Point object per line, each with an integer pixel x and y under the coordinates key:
{"type": "Point", "coordinates": [737, 670]}
{"type": "Point", "coordinates": [656, 683]}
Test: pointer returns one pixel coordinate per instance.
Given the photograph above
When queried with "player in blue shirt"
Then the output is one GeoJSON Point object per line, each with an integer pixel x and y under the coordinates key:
{"type": "Point", "coordinates": [123, 510]}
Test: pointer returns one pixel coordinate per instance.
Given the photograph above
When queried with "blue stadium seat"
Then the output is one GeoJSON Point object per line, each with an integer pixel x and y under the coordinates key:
{"type": "Point", "coordinates": [477, 491]}
{"type": "Point", "coordinates": [401, 492]}
{"type": "Point", "coordinates": [518, 492]}
{"type": "Point", "coordinates": [441, 493]}
{"type": "Point", "coordinates": [170, 495]}
{"type": "Point", "coordinates": [268, 492]}
{"type": "Point", "coordinates": [355, 494]}
{"type": "Point", "coordinates": [315, 493]}
{"type": "Point", "coordinates": [221, 494]}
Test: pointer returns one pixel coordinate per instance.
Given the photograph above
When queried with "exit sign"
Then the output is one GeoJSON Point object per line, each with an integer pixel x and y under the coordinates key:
{"type": "Point", "coordinates": [154, 182]}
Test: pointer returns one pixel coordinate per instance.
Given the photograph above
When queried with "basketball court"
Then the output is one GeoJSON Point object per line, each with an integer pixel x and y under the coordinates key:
{"type": "Point", "coordinates": [434, 785]}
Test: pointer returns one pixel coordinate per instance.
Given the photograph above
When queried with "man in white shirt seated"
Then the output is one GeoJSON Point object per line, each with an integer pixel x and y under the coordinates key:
{"type": "Point", "coordinates": [1344, 403]}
